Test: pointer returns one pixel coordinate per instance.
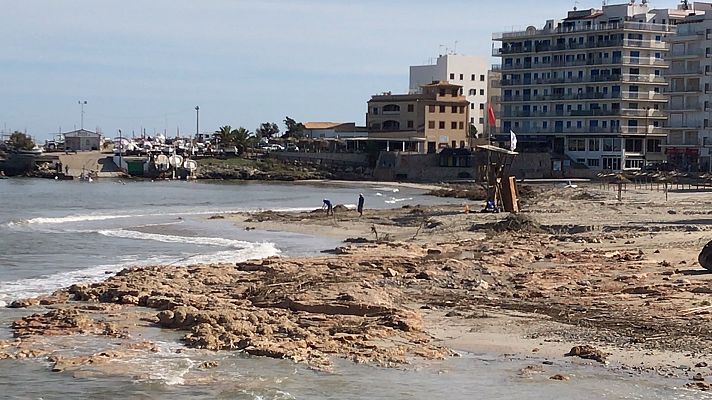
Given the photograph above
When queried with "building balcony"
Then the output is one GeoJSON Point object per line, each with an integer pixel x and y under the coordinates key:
{"type": "Point", "coordinates": [659, 80]}
{"type": "Point", "coordinates": [685, 107]}
{"type": "Point", "coordinates": [651, 62]}
{"type": "Point", "coordinates": [617, 26]}
{"type": "Point", "coordinates": [684, 126]}
{"type": "Point", "coordinates": [682, 89]}
{"type": "Point", "coordinates": [641, 96]}
{"type": "Point", "coordinates": [624, 130]}
{"type": "Point", "coordinates": [689, 53]}
{"type": "Point", "coordinates": [569, 46]}
{"type": "Point", "coordinates": [684, 72]}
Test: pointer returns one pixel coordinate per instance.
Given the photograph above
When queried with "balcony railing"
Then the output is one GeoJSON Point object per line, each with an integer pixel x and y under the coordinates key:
{"type": "Point", "coordinates": [584, 79]}
{"type": "Point", "coordinates": [540, 48]}
{"type": "Point", "coordinates": [651, 62]}
{"type": "Point", "coordinates": [629, 130]}
{"type": "Point", "coordinates": [683, 72]}
{"type": "Point", "coordinates": [650, 96]}
{"type": "Point", "coordinates": [629, 25]}
{"type": "Point", "coordinates": [684, 125]}
{"type": "Point", "coordinates": [683, 89]}
{"type": "Point", "coordinates": [626, 112]}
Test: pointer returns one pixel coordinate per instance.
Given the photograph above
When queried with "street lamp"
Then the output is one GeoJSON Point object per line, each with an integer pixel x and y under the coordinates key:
{"type": "Point", "coordinates": [82, 103]}
{"type": "Point", "coordinates": [197, 121]}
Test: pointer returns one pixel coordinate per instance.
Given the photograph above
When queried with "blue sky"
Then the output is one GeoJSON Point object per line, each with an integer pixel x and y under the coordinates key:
{"type": "Point", "coordinates": [147, 64]}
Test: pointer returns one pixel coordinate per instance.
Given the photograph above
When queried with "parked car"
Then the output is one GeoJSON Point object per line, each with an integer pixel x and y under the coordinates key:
{"type": "Point", "coordinates": [275, 147]}
{"type": "Point", "coordinates": [292, 147]}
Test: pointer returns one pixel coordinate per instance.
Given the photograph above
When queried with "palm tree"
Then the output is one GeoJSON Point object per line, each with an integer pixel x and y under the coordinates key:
{"type": "Point", "coordinates": [242, 138]}
{"type": "Point", "coordinates": [224, 134]}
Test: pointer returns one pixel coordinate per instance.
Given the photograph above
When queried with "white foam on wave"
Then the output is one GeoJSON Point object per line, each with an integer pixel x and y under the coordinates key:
{"type": "Point", "coordinates": [166, 365]}
{"type": "Point", "coordinates": [31, 287]}
{"type": "Point", "coordinates": [205, 241]}
{"type": "Point", "coordinates": [394, 200]}
{"type": "Point", "coordinates": [70, 218]}
{"type": "Point", "coordinates": [98, 217]}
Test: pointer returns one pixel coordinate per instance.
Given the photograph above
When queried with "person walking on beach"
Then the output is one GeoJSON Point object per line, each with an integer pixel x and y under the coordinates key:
{"type": "Point", "coordinates": [360, 204]}
{"type": "Point", "coordinates": [329, 208]}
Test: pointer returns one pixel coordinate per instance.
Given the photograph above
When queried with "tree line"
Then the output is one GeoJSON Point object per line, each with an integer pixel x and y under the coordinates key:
{"type": "Point", "coordinates": [243, 138]}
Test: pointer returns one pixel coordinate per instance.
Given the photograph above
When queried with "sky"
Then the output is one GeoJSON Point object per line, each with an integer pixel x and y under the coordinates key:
{"type": "Point", "coordinates": [148, 64]}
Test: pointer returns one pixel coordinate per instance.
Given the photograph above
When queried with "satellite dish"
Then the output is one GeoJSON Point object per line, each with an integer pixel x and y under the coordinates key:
{"type": "Point", "coordinates": [190, 165]}
{"type": "Point", "coordinates": [175, 160]}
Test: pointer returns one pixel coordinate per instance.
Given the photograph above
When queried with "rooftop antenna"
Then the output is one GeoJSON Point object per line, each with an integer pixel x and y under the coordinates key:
{"type": "Point", "coordinates": [455, 50]}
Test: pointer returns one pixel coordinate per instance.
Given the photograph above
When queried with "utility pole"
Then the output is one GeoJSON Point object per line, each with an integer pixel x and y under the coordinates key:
{"type": "Point", "coordinates": [197, 121]}
{"type": "Point", "coordinates": [82, 103]}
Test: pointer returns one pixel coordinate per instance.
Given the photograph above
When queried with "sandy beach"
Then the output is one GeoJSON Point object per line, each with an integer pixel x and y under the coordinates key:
{"type": "Point", "coordinates": [613, 284]}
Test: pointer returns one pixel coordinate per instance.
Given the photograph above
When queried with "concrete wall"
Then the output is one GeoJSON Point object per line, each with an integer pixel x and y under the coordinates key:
{"type": "Point", "coordinates": [393, 166]}
{"type": "Point", "coordinates": [353, 159]}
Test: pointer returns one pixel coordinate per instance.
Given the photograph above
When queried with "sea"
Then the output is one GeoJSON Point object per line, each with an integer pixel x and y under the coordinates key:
{"type": "Point", "coordinates": [57, 233]}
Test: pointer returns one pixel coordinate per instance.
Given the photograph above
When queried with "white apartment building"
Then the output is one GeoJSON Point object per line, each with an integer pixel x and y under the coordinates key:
{"type": "Point", "coordinates": [470, 72]}
{"type": "Point", "coordinates": [590, 86]}
{"type": "Point", "coordinates": [690, 107]}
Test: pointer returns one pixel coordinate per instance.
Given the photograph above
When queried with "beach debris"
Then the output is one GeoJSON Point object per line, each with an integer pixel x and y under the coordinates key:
{"type": "Point", "coordinates": [559, 377]}
{"type": "Point", "coordinates": [588, 353]}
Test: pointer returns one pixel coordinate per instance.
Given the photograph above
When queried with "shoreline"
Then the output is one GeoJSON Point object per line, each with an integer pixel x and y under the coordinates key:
{"type": "Point", "coordinates": [442, 279]}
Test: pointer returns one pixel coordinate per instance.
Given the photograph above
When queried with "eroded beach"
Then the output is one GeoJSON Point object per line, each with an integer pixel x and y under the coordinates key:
{"type": "Point", "coordinates": [614, 285]}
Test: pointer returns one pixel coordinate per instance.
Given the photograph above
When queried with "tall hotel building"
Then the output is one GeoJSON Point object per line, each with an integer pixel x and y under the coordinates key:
{"type": "Point", "coordinates": [591, 87]}
{"type": "Point", "coordinates": [689, 144]}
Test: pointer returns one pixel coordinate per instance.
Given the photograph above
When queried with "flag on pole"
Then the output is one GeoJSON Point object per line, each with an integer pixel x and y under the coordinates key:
{"type": "Point", "coordinates": [512, 141]}
{"type": "Point", "coordinates": [491, 118]}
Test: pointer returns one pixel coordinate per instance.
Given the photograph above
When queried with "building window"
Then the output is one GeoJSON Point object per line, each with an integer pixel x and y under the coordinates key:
{"type": "Point", "coordinates": [482, 106]}
{"type": "Point", "coordinates": [473, 77]}
{"type": "Point", "coordinates": [472, 106]}
{"type": "Point", "coordinates": [454, 109]}
{"type": "Point", "coordinates": [462, 109]}
{"type": "Point", "coordinates": [391, 109]}
{"type": "Point", "coordinates": [453, 125]}
{"type": "Point", "coordinates": [375, 110]}
{"type": "Point", "coordinates": [634, 145]}
{"type": "Point", "coordinates": [391, 125]}
{"type": "Point", "coordinates": [482, 120]}
{"type": "Point", "coordinates": [594, 145]}
{"type": "Point", "coordinates": [454, 144]}
{"type": "Point", "coordinates": [577, 144]}
{"type": "Point", "coordinates": [462, 144]}
{"type": "Point", "coordinates": [653, 146]}
{"type": "Point", "coordinates": [472, 92]}
{"type": "Point", "coordinates": [431, 109]}
{"type": "Point", "coordinates": [410, 124]}
{"type": "Point", "coordinates": [461, 125]}
{"type": "Point", "coordinates": [482, 92]}
{"type": "Point", "coordinates": [593, 162]}
{"type": "Point", "coordinates": [452, 76]}
{"type": "Point", "coordinates": [442, 92]}
{"type": "Point", "coordinates": [482, 78]}
{"type": "Point", "coordinates": [442, 109]}
{"type": "Point", "coordinates": [472, 120]}
{"type": "Point", "coordinates": [462, 77]}
{"type": "Point", "coordinates": [612, 163]}
{"type": "Point", "coordinates": [376, 126]}
{"type": "Point", "coordinates": [441, 125]}
{"type": "Point", "coordinates": [431, 124]}
{"type": "Point", "coordinates": [455, 92]}
{"type": "Point", "coordinates": [411, 107]}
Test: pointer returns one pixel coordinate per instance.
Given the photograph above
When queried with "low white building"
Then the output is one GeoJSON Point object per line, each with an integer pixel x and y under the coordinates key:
{"type": "Point", "coordinates": [470, 72]}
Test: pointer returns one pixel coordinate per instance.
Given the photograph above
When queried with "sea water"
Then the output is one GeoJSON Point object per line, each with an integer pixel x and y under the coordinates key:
{"type": "Point", "coordinates": [54, 234]}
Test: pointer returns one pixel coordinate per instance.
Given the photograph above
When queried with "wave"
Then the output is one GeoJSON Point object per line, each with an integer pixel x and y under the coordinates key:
{"type": "Point", "coordinates": [94, 217]}
{"type": "Point", "coordinates": [394, 200]}
{"type": "Point", "coordinates": [31, 287]}
{"type": "Point", "coordinates": [71, 218]}
{"type": "Point", "coordinates": [206, 241]}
